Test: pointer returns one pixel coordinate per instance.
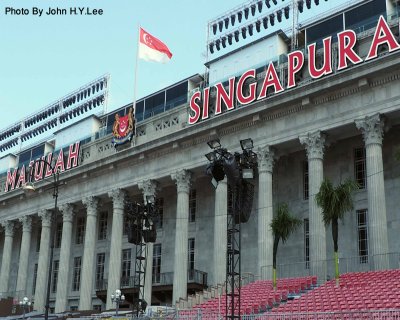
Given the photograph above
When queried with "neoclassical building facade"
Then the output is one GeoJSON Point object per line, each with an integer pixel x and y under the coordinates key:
{"type": "Point", "coordinates": [344, 125]}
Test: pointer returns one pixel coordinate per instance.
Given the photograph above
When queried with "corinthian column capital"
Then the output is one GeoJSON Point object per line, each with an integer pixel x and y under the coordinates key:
{"type": "Point", "coordinates": [8, 226]}
{"type": "Point", "coordinates": [67, 210]}
{"type": "Point", "coordinates": [371, 128]}
{"type": "Point", "coordinates": [26, 223]}
{"type": "Point", "coordinates": [118, 196]}
{"type": "Point", "coordinates": [182, 179]}
{"type": "Point", "coordinates": [91, 203]}
{"type": "Point", "coordinates": [314, 143]}
{"type": "Point", "coordinates": [265, 157]}
{"type": "Point", "coordinates": [46, 216]}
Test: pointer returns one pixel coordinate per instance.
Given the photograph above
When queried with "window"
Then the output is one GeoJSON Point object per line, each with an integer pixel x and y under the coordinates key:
{"type": "Point", "coordinates": [73, 308]}
{"type": "Point", "coordinates": [191, 258]}
{"type": "Point", "coordinates": [76, 279]}
{"type": "Point", "coordinates": [34, 279]}
{"type": "Point", "coordinates": [56, 265]}
{"type": "Point", "coordinates": [126, 263]}
{"type": "Point", "coordinates": [97, 307]}
{"type": "Point", "coordinates": [359, 167]}
{"type": "Point", "coordinates": [101, 257]}
{"type": "Point", "coordinates": [306, 226]}
{"type": "Point", "coordinates": [362, 229]}
{"type": "Point", "coordinates": [125, 227]}
{"type": "Point", "coordinates": [39, 234]}
{"type": "Point", "coordinates": [192, 205]}
{"type": "Point", "coordinates": [80, 230]}
{"type": "Point", "coordinates": [103, 225]}
{"type": "Point", "coordinates": [160, 208]}
{"type": "Point", "coordinates": [157, 263]}
{"type": "Point", "coordinates": [58, 235]}
{"type": "Point", "coordinates": [305, 181]}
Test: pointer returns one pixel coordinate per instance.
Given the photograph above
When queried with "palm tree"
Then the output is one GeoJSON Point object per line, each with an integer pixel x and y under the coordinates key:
{"type": "Point", "coordinates": [335, 202]}
{"type": "Point", "coordinates": [282, 226]}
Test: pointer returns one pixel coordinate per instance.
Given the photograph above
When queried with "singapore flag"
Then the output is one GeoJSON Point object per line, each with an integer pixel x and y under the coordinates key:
{"type": "Point", "coordinates": [152, 49]}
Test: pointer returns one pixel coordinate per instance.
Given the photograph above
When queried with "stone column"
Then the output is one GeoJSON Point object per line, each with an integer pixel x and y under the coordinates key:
{"type": "Point", "coordinates": [43, 265]}
{"type": "Point", "coordinates": [220, 232]}
{"type": "Point", "coordinates": [182, 179]}
{"type": "Point", "coordinates": [372, 130]}
{"type": "Point", "coordinates": [7, 251]}
{"type": "Point", "coordinates": [265, 211]}
{"type": "Point", "coordinates": [114, 266]}
{"type": "Point", "coordinates": [65, 258]}
{"type": "Point", "coordinates": [24, 255]}
{"type": "Point", "coordinates": [314, 144]}
{"type": "Point", "coordinates": [88, 264]}
{"type": "Point", "coordinates": [148, 188]}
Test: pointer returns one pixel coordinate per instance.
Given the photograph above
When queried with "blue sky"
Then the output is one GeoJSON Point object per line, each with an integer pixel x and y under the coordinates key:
{"type": "Point", "coordinates": [45, 58]}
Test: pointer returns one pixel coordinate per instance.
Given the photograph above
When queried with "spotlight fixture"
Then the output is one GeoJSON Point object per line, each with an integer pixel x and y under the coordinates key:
{"type": "Point", "coordinates": [230, 39]}
{"type": "Point", "coordinates": [253, 9]}
{"type": "Point", "coordinates": [237, 35]}
{"type": "Point", "coordinates": [265, 23]}
{"type": "Point", "coordinates": [267, 4]}
{"type": "Point", "coordinates": [308, 4]}
{"type": "Point", "coordinates": [246, 144]}
{"type": "Point", "coordinates": [317, 2]}
{"type": "Point", "coordinates": [211, 47]}
{"type": "Point", "coordinates": [279, 15]}
{"type": "Point", "coordinates": [300, 6]}
{"type": "Point", "coordinates": [272, 19]}
{"type": "Point", "coordinates": [258, 25]}
{"type": "Point", "coordinates": [214, 144]}
{"type": "Point", "coordinates": [244, 29]}
{"type": "Point", "coordinates": [226, 20]}
{"type": "Point", "coordinates": [250, 27]}
{"type": "Point", "coordinates": [233, 17]}
{"type": "Point", "coordinates": [220, 26]}
{"type": "Point", "coordinates": [240, 16]}
{"type": "Point", "coordinates": [223, 41]}
{"type": "Point", "coordinates": [275, 2]}
{"type": "Point", "coordinates": [286, 11]}
{"type": "Point", "coordinates": [246, 13]}
{"type": "Point", "coordinates": [217, 44]}
{"type": "Point", "coordinates": [259, 5]}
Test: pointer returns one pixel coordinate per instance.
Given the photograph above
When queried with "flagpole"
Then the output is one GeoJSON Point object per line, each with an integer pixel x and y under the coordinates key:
{"type": "Point", "coordinates": [136, 69]}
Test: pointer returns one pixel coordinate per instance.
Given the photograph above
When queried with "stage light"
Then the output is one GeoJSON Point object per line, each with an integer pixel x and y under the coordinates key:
{"type": "Point", "coordinates": [211, 156]}
{"type": "Point", "coordinates": [220, 26]}
{"type": "Point", "coordinates": [244, 32]}
{"type": "Point", "coordinates": [308, 4]}
{"type": "Point", "coordinates": [233, 17]}
{"type": "Point", "coordinates": [259, 5]}
{"type": "Point", "coordinates": [77, 97]}
{"type": "Point", "coordinates": [230, 38]}
{"type": "Point", "coordinates": [223, 41]}
{"type": "Point", "coordinates": [237, 35]}
{"type": "Point", "coordinates": [258, 25]}
{"type": "Point", "coordinates": [214, 144]}
{"type": "Point", "coordinates": [90, 102]}
{"type": "Point", "coordinates": [246, 144]}
{"type": "Point", "coordinates": [275, 2]}
{"type": "Point", "coordinates": [250, 27]}
{"type": "Point", "coordinates": [286, 10]}
{"type": "Point", "coordinates": [272, 19]}
{"type": "Point", "coordinates": [300, 6]}
{"type": "Point", "coordinates": [214, 28]}
{"type": "Point", "coordinates": [217, 44]}
{"type": "Point", "coordinates": [267, 4]}
{"type": "Point", "coordinates": [93, 89]}
{"type": "Point", "coordinates": [265, 23]}
{"type": "Point", "coordinates": [246, 13]}
{"type": "Point", "coordinates": [253, 9]}
{"type": "Point", "coordinates": [98, 86]}
{"type": "Point", "coordinates": [210, 46]}
{"type": "Point", "coordinates": [279, 15]}
{"type": "Point", "coordinates": [226, 20]}
{"type": "Point", "coordinates": [240, 16]}
{"type": "Point", "coordinates": [317, 2]}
